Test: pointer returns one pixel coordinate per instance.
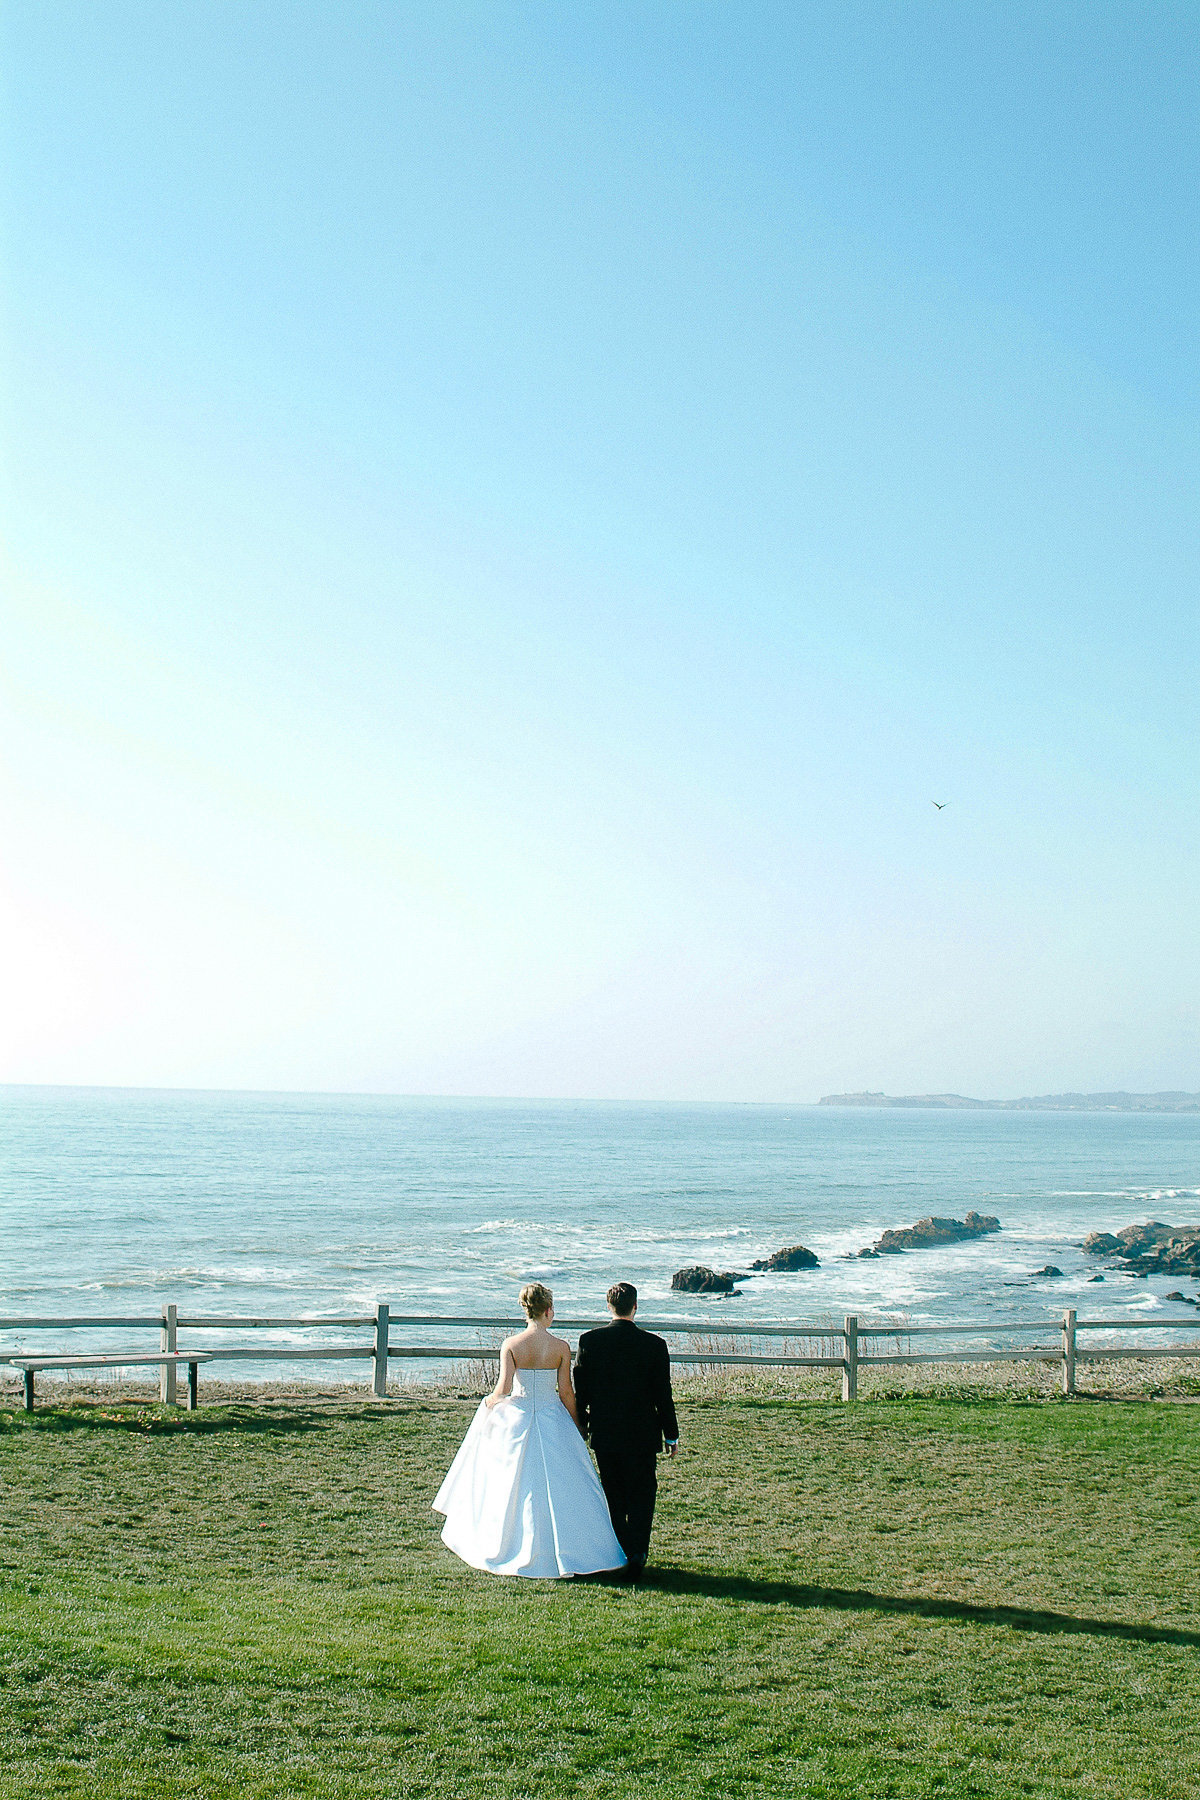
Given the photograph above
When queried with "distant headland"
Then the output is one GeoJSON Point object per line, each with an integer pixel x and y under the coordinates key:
{"type": "Point", "coordinates": [1122, 1102]}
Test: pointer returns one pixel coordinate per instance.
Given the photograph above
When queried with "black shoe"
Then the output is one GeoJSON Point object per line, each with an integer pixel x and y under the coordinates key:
{"type": "Point", "coordinates": [635, 1568]}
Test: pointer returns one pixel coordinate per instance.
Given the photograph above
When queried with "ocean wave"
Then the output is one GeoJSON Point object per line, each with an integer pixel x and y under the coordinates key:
{"type": "Point", "coordinates": [138, 1280]}
{"type": "Point", "coordinates": [1131, 1195]}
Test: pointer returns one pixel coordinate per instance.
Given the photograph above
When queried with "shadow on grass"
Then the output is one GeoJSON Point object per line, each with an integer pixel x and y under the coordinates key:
{"type": "Point", "coordinates": [1019, 1618]}
{"type": "Point", "coordinates": [146, 1417]}
{"type": "Point", "coordinates": [251, 1417]}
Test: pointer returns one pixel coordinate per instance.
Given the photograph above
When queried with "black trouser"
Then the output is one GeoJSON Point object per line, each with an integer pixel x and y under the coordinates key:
{"type": "Point", "coordinates": [630, 1482]}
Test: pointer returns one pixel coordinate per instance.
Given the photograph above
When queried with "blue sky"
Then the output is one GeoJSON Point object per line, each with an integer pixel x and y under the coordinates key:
{"type": "Point", "coordinates": [515, 511]}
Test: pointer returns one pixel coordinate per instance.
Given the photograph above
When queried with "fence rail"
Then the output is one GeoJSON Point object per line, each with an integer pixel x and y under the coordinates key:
{"type": "Point", "coordinates": [847, 1355]}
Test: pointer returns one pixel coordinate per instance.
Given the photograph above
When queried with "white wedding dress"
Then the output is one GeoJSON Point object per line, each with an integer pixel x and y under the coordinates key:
{"type": "Point", "coordinates": [521, 1497]}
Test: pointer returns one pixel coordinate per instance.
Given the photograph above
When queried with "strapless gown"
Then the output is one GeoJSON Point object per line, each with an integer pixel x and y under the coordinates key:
{"type": "Point", "coordinates": [521, 1497]}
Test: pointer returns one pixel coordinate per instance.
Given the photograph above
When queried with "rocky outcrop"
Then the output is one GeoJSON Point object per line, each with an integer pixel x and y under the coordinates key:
{"type": "Point", "coordinates": [1150, 1249]}
{"type": "Point", "coordinates": [926, 1234]}
{"type": "Point", "coordinates": [1180, 1256]}
{"type": "Point", "coordinates": [697, 1279]}
{"type": "Point", "coordinates": [787, 1262]}
{"type": "Point", "coordinates": [1049, 1269]}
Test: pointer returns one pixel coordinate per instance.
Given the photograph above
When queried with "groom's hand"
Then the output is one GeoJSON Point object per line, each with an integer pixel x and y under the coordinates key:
{"type": "Point", "coordinates": [671, 1449]}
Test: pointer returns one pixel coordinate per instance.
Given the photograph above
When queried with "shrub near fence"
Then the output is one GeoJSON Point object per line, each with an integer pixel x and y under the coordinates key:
{"type": "Point", "coordinates": [709, 1344]}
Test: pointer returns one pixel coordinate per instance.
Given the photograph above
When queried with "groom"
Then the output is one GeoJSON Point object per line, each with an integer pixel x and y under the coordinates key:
{"type": "Point", "coordinates": [623, 1394]}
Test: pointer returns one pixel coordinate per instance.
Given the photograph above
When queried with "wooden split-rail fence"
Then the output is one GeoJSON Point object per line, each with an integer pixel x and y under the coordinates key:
{"type": "Point", "coordinates": [850, 1348]}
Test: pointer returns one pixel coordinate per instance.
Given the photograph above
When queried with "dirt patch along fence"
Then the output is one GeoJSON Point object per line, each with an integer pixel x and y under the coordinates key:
{"type": "Point", "coordinates": [704, 1344]}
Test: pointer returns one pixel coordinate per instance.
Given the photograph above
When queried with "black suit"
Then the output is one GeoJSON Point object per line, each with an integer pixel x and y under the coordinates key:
{"type": "Point", "coordinates": [623, 1393]}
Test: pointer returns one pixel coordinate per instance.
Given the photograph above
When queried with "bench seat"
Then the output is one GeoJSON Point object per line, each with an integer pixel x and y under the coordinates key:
{"type": "Point", "coordinates": [114, 1359]}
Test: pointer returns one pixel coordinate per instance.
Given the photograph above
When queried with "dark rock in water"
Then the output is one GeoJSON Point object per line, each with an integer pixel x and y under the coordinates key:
{"type": "Point", "coordinates": [926, 1234]}
{"type": "Point", "coordinates": [1180, 1257]}
{"type": "Point", "coordinates": [787, 1262]}
{"type": "Point", "coordinates": [1137, 1240]}
{"type": "Point", "coordinates": [869, 1252]}
{"type": "Point", "coordinates": [1151, 1249]}
{"type": "Point", "coordinates": [699, 1280]}
{"type": "Point", "coordinates": [1176, 1295]}
{"type": "Point", "coordinates": [1095, 1278]}
{"type": "Point", "coordinates": [1048, 1270]}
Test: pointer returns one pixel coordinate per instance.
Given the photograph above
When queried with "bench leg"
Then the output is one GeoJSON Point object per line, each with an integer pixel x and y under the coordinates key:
{"type": "Point", "coordinates": [28, 1390]}
{"type": "Point", "coordinates": [193, 1386]}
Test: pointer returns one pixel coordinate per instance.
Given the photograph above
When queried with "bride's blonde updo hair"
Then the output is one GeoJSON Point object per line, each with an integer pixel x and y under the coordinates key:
{"type": "Point", "coordinates": [536, 1300]}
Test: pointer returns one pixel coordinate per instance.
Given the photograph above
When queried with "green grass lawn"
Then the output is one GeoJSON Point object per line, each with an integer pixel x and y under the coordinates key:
{"type": "Point", "coordinates": [902, 1598]}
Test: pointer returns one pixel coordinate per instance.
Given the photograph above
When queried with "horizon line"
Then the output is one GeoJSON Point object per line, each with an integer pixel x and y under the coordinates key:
{"type": "Point", "coordinates": [123, 1087]}
{"type": "Point", "coordinates": [858, 1096]}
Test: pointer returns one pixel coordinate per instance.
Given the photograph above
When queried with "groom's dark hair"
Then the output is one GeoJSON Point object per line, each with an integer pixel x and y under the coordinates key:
{"type": "Point", "coordinates": [622, 1297]}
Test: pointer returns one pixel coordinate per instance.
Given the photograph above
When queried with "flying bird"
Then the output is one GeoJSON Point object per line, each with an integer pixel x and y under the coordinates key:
{"type": "Point", "coordinates": [940, 804]}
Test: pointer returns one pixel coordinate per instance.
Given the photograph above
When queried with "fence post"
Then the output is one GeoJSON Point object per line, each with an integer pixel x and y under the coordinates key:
{"type": "Point", "coordinates": [1068, 1372]}
{"type": "Point", "coordinates": [850, 1358]}
{"type": "Point", "coordinates": [167, 1374]}
{"type": "Point", "coordinates": [381, 1350]}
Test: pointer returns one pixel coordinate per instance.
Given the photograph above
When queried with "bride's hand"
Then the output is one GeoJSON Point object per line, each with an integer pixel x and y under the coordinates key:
{"type": "Point", "coordinates": [494, 1400]}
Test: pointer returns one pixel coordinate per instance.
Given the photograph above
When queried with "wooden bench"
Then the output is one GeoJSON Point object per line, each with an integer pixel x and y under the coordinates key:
{"type": "Point", "coordinates": [33, 1365]}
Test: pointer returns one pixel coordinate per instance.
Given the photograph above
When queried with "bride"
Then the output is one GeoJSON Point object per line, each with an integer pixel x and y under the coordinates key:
{"type": "Point", "coordinates": [521, 1497]}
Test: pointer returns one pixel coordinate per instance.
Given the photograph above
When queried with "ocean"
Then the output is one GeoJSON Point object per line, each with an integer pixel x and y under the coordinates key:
{"type": "Point", "coordinates": [115, 1201]}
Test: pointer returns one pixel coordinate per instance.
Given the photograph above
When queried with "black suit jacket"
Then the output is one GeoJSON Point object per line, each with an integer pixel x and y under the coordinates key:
{"type": "Point", "coordinates": [623, 1388]}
